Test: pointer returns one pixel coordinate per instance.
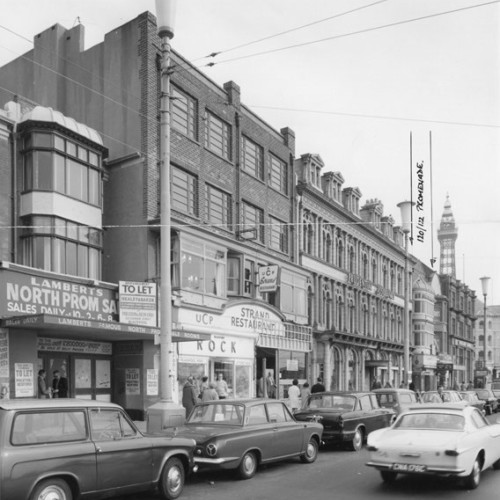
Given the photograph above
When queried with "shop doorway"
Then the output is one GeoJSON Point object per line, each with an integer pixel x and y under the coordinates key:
{"type": "Point", "coordinates": [266, 385]}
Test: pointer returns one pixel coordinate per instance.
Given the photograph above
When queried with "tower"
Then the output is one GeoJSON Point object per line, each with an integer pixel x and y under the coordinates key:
{"type": "Point", "coordinates": [447, 235]}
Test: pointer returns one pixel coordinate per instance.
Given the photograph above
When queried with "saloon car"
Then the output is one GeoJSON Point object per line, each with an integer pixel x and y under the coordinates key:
{"type": "Point", "coordinates": [347, 417]}
{"type": "Point", "coordinates": [63, 449]}
{"type": "Point", "coordinates": [241, 434]}
{"type": "Point", "coordinates": [397, 399]}
{"type": "Point", "coordinates": [437, 439]}
{"type": "Point", "coordinates": [473, 400]}
{"type": "Point", "coordinates": [490, 401]}
{"type": "Point", "coordinates": [445, 397]}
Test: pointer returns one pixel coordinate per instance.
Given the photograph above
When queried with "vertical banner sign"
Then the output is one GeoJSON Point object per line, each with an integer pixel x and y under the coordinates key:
{"type": "Point", "coordinates": [138, 303]}
{"type": "Point", "coordinates": [24, 380]}
{"type": "Point", "coordinates": [152, 382]}
{"type": "Point", "coordinates": [132, 381]}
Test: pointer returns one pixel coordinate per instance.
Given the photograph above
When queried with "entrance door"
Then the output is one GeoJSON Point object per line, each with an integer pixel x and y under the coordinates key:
{"type": "Point", "coordinates": [56, 361]}
{"type": "Point", "coordinates": [92, 378]}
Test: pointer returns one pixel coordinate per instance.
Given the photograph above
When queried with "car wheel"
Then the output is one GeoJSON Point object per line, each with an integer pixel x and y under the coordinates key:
{"type": "Point", "coordinates": [311, 453]}
{"type": "Point", "coordinates": [248, 465]}
{"type": "Point", "coordinates": [172, 479]}
{"type": "Point", "coordinates": [388, 476]}
{"type": "Point", "coordinates": [55, 489]}
{"type": "Point", "coordinates": [357, 441]}
{"type": "Point", "coordinates": [472, 480]}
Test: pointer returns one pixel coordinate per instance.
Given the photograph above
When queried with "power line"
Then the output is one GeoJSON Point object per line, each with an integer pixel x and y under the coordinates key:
{"type": "Point", "coordinates": [352, 33]}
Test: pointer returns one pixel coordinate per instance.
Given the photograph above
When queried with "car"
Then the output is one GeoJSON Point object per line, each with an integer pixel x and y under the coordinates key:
{"type": "Point", "coordinates": [347, 416]}
{"type": "Point", "coordinates": [473, 400]}
{"type": "Point", "coordinates": [396, 399]}
{"type": "Point", "coordinates": [495, 388]}
{"type": "Point", "coordinates": [437, 439]}
{"type": "Point", "coordinates": [490, 401]}
{"type": "Point", "coordinates": [242, 434]}
{"type": "Point", "coordinates": [67, 448]}
{"type": "Point", "coordinates": [446, 396]}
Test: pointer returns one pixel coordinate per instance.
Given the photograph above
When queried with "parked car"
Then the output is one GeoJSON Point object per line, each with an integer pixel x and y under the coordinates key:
{"type": "Point", "coordinates": [495, 388]}
{"type": "Point", "coordinates": [445, 397]}
{"type": "Point", "coordinates": [398, 400]}
{"type": "Point", "coordinates": [65, 449]}
{"type": "Point", "coordinates": [242, 434]}
{"type": "Point", "coordinates": [347, 417]}
{"type": "Point", "coordinates": [473, 400]}
{"type": "Point", "coordinates": [442, 440]}
{"type": "Point", "coordinates": [490, 401]}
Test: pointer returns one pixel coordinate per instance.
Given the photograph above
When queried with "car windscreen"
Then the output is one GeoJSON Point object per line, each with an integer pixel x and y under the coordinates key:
{"type": "Point", "coordinates": [337, 402]}
{"type": "Point", "coordinates": [217, 414]}
{"type": "Point", "coordinates": [431, 421]}
{"type": "Point", "coordinates": [431, 397]}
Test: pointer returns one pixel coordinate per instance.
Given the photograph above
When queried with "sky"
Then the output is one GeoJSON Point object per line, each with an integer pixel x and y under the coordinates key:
{"type": "Point", "coordinates": [372, 86]}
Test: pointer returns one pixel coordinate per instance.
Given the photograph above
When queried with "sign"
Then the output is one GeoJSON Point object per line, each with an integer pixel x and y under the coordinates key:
{"type": "Point", "coordinates": [220, 346]}
{"type": "Point", "coordinates": [138, 303]}
{"type": "Point", "coordinates": [132, 381]}
{"type": "Point", "coordinates": [268, 278]}
{"type": "Point", "coordinates": [152, 382]}
{"type": "Point", "coordinates": [24, 380]}
{"type": "Point", "coordinates": [22, 294]}
{"type": "Point", "coordinates": [4, 354]}
{"type": "Point", "coordinates": [292, 365]}
{"type": "Point", "coordinates": [74, 346]}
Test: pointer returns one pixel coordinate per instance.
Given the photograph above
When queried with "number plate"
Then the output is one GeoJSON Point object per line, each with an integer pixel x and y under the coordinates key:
{"type": "Point", "coordinates": [409, 468]}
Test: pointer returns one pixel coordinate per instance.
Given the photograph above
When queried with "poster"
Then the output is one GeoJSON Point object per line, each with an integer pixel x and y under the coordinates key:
{"type": "Point", "coordinates": [103, 374]}
{"type": "Point", "coordinates": [152, 382]}
{"type": "Point", "coordinates": [24, 380]}
{"type": "Point", "coordinates": [4, 354]}
{"type": "Point", "coordinates": [132, 381]}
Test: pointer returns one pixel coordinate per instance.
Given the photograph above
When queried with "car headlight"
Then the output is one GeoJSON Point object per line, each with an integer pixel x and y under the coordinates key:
{"type": "Point", "coordinates": [211, 449]}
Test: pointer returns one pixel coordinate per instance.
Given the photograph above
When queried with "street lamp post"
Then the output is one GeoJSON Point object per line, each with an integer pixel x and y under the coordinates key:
{"type": "Point", "coordinates": [485, 281]}
{"type": "Point", "coordinates": [405, 207]}
{"type": "Point", "coordinates": [165, 413]}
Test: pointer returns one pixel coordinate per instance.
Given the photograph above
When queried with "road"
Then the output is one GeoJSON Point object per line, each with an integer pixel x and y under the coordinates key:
{"type": "Point", "coordinates": [337, 474]}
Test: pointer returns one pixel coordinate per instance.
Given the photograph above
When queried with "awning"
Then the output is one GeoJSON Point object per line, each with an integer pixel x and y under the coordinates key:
{"type": "Point", "coordinates": [109, 331]}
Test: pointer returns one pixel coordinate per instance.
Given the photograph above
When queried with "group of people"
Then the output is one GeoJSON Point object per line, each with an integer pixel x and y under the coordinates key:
{"type": "Point", "coordinates": [206, 391]}
{"type": "Point", "coordinates": [269, 384]}
{"type": "Point", "coordinates": [297, 396]}
{"type": "Point", "coordinates": [58, 389]}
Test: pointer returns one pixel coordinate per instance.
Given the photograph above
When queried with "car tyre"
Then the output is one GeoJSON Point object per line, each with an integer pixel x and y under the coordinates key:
{"type": "Point", "coordinates": [248, 465]}
{"type": "Point", "coordinates": [311, 453]}
{"type": "Point", "coordinates": [388, 476]}
{"type": "Point", "coordinates": [172, 479]}
{"type": "Point", "coordinates": [55, 489]}
{"type": "Point", "coordinates": [471, 482]}
{"type": "Point", "coordinates": [357, 441]}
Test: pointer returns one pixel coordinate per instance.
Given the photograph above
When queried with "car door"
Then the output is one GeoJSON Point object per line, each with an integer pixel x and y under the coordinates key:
{"type": "Point", "coordinates": [287, 432]}
{"type": "Point", "coordinates": [371, 414]}
{"type": "Point", "coordinates": [124, 457]}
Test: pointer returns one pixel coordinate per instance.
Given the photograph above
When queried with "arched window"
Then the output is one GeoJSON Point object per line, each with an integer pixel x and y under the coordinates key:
{"type": "Point", "coordinates": [365, 266]}
{"type": "Point", "coordinates": [364, 312]}
{"type": "Point", "coordinates": [327, 247]}
{"type": "Point", "coordinates": [339, 319]}
{"type": "Point", "coordinates": [352, 260]}
{"type": "Point", "coordinates": [384, 276]}
{"type": "Point", "coordinates": [340, 254]}
{"type": "Point", "coordinates": [374, 271]}
{"type": "Point", "coordinates": [326, 311]}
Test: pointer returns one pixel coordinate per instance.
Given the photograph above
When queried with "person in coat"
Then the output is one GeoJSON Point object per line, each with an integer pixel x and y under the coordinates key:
{"type": "Point", "coordinates": [189, 395]}
{"type": "Point", "coordinates": [210, 394]}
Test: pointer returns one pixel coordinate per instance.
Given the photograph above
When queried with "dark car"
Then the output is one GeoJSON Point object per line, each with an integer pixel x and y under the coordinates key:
{"type": "Point", "coordinates": [495, 388]}
{"type": "Point", "coordinates": [490, 401]}
{"type": "Point", "coordinates": [63, 449]}
{"type": "Point", "coordinates": [473, 400]}
{"type": "Point", "coordinates": [241, 434]}
{"type": "Point", "coordinates": [347, 417]}
{"type": "Point", "coordinates": [398, 400]}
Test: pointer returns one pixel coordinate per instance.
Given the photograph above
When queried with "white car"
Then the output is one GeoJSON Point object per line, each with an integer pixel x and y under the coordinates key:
{"type": "Point", "coordinates": [443, 440]}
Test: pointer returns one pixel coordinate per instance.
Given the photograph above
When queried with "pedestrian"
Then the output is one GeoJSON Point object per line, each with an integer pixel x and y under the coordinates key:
{"type": "Point", "coordinates": [204, 385]}
{"type": "Point", "coordinates": [305, 392]}
{"type": "Point", "coordinates": [210, 394]}
{"type": "Point", "coordinates": [470, 385]}
{"type": "Point", "coordinates": [221, 387]}
{"type": "Point", "coordinates": [318, 386]}
{"type": "Point", "coordinates": [463, 386]}
{"type": "Point", "coordinates": [270, 385]}
{"type": "Point", "coordinates": [189, 396]}
{"type": "Point", "coordinates": [294, 395]}
{"type": "Point", "coordinates": [376, 384]}
{"type": "Point", "coordinates": [59, 385]}
{"type": "Point", "coordinates": [43, 390]}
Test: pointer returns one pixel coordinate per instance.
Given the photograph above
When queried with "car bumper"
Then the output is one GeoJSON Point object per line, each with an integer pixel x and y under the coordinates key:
{"type": "Point", "coordinates": [433, 470]}
{"type": "Point", "coordinates": [336, 436]}
{"type": "Point", "coordinates": [217, 463]}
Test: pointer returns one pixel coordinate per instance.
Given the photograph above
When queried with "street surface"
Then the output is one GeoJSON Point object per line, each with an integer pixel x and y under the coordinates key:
{"type": "Point", "coordinates": [336, 475]}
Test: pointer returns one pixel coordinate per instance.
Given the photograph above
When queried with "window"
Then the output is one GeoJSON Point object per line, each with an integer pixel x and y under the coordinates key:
{"type": "Point", "coordinates": [279, 235]}
{"type": "Point", "coordinates": [184, 113]}
{"type": "Point", "coordinates": [58, 245]}
{"type": "Point", "coordinates": [107, 425]}
{"type": "Point", "coordinates": [256, 415]}
{"type": "Point", "coordinates": [254, 217]}
{"type": "Point", "coordinates": [252, 160]}
{"type": "Point", "coordinates": [278, 175]}
{"type": "Point", "coordinates": [184, 192]}
{"type": "Point", "coordinates": [218, 207]}
{"type": "Point", "coordinates": [233, 276]}
{"type": "Point", "coordinates": [293, 293]}
{"type": "Point", "coordinates": [218, 136]}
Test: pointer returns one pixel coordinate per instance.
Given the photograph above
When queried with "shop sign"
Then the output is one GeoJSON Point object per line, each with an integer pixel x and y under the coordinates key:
{"type": "Point", "coordinates": [132, 381]}
{"type": "Point", "coordinates": [244, 319]}
{"type": "Point", "coordinates": [219, 346]}
{"type": "Point", "coordinates": [268, 278]}
{"type": "Point", "coordinates": [152, 382]}
{"type": "Point", "coordinates": [24, 380]}
{"type": "Point", "coordinates": [138, 303]}
{"type": "Point", "coordinates": [22, 294]}
{"type": "Point", "coordinates": [74, 346]}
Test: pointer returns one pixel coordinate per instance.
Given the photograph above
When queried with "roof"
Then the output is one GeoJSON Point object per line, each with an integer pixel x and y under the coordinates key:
{"type": "Point", "coordinates": [393, 390]}
{"type": "Point", "coordinates": [71, 403]}
{"type": "Point", "coordinates": [342, 393]}
{"type": "Point", "coordinates": [43, 114]}
{"type": "Point", "coordinates": [439, 407]}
